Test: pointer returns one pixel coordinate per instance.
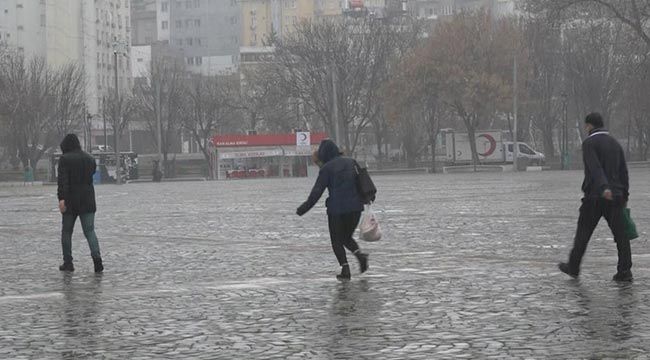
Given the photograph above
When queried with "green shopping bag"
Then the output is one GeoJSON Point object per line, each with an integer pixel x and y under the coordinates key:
{"type": "Point", "coordinates": [630, 227]}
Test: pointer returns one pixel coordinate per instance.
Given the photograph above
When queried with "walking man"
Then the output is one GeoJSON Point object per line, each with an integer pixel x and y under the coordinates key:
{"type": "Point", "coordinates": [606, 189]}
{"type": "Point", "coordinates": [77, 199]}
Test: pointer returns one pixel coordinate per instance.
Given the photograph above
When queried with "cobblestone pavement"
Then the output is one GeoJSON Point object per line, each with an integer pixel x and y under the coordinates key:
{"type": "Point", "coordinates": [225, 270]}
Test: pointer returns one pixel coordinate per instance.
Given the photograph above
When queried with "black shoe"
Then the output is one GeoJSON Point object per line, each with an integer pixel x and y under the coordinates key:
{"type": "Point", "coordinates": [564, 267]}
{"type": "Point", "coordinates": [363, 262]}
{"type": "Point", "coordinates": [625, 276]}
{"type": "Point", "coordinates": [99, 267]}
{"type": "Point", "coordinates": [345, 273]}
{"type": "Point", "coordinates": [67, 266]}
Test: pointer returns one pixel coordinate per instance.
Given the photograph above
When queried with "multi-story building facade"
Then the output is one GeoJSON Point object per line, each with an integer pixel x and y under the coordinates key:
{"type": "Point", "coordinates": [86, 32]}
{"type": "Point", "coordinates": [144, 24]}
{"type": "Point", "coordinates": [435, 9]}
{"type": "Point", "coordinates": [261, 18]}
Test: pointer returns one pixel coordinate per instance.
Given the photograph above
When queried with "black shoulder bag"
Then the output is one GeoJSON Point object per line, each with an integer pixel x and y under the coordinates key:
{"type": "Point", "coordinates": [365, 186]}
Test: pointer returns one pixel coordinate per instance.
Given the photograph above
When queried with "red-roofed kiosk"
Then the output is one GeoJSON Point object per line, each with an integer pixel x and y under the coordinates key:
{"type": "Point", "coordinates": [240, 156]}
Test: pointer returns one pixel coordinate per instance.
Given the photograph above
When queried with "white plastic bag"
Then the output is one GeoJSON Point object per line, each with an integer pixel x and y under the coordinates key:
{"type": "Point", "coordinates": [369, 227]}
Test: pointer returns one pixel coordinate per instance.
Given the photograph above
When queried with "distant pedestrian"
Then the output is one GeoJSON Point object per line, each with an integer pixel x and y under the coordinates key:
{"type": "Point", "coordinates": [76, 195]}
{"type": "Point", "coordinates": [606, 191]}
{"type": "Point", "coordinates": [344, 205]}
{"type": "Point", "coordinates": [156, 173]}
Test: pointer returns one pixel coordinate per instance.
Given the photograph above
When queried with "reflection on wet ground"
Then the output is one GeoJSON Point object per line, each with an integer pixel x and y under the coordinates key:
{"type": "Point", "coordinates": [226, 270]}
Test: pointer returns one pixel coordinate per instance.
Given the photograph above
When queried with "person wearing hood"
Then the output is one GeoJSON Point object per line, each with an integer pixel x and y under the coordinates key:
{"type": "Point", "coordinates": [344, 205]}
{"type": "Point", "coordinates": [606, 191]}
{"type": "Point", "coordinates": [76, 195]}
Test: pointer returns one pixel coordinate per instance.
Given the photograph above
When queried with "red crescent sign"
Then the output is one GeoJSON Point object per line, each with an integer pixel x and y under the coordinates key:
{"type": "Point", "coordinates": [493, 144]}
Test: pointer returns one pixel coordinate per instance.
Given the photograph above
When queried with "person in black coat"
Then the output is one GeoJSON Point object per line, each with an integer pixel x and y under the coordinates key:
{"type": "Point", "coordinates": [76, 195]}
{"type": "Point", "coordinates": [606, 192]}
{"type": "Point", "coordinates": [344, 205]}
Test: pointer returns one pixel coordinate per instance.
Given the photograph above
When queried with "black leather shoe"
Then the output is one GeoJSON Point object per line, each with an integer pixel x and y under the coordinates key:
{"type": "Point", "coordinates": [345, 273]}
{"type": "Point", "coordinates": [564, 267]}
{"type": "Point", "coordinates": [99, 267]}
{"type": "Point", "coordinates": [66, 267]}
{"type": "Point", "coordinates": [363, 262]}
{"type": "Point", "coordinates": [625, 276]}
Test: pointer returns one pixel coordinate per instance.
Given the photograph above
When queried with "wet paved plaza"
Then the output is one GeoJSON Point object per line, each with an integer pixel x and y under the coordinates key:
{"type": "Point", "coordinates": [226, 270]}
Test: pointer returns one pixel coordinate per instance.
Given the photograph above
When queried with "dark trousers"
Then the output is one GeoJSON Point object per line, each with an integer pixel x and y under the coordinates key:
{"type": "Point", "coordinates": [341, 230]}
{"type": "Point", "coordinates": [590, 213]}
{"type": "Point", "coordinates": [88, 225]}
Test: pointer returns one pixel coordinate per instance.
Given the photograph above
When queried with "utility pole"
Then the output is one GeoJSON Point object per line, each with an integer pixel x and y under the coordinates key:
{"type": "Point", "coordinates": [117, 117]}
{"type": "Point", "coordinates": [515, 144]}
{"type": "Point", "coordinates": [159, 127]}
{"type": "Point", "coordinates": [565, 133]}
{"type": "Point", "coordinates": [104, 119]}
{"type": "Point", "coordinates": [335, 108]}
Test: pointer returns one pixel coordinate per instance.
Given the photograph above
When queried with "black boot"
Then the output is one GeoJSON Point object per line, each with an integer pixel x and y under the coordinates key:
{"type": "Point", "coordinates": [564, 267]}
{"type": "Point", "coordinates": [99, 267]}
{"type": "Point", "coordinates": [345, 273]}
{"type": "Point", "coordinates": [363, 261]}
{"type": "Point", "coordinates": [625, 276]}
{"type": "Point", "coordinates": [67, 266]}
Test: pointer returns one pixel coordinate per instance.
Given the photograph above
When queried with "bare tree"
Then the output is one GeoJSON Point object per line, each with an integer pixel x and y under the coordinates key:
{"type": "Point", "coordinates": [209, 104]}
{"type": "Point", "coordinates": [595, 65]}
{"type": "Point", "coordinates": [343, 53]}
{"type": "Point", "coordinates": [119, 111]}
{"type": "Point", "coordinates": [262, 101]}
{"type": "Point", "coordinates": [160, 96]}
{"type": "Point", "coordinates": [70, 104]}
{"type": "Point", "coordinates": [39, 105]}
{"type": "Point", "coordinates": [635, 14]}
{"type": "Point", "coordinates": [470, 59]}
{"type": "Point", "coordinates": [544, 80]}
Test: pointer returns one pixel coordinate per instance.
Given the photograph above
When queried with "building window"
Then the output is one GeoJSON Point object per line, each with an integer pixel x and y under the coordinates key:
{"type": "Point", "coordinates": [189, 41]}
{"type": "Point", "coordinates": [188, 4]}
{"type": "Point", "coordinates": [197, 23]}
{"type": "Point", "coordinates": [43, 20]}
{"type": "Point", "coordinates": [165, 25]}
{"type": "Point", "coordinates": [180, 42]}
{"type": "Point", "coordinates": [197, 3]}
{"type": "Point", "coordinates": [190, 61]}
{"type": "Point", "coordinates": [20, 27]}
{"type": "Point", "coordinates": [233, 20]}
{"type": "Point", "coordinates": [179, 4]}
{"type": "Point", "coordinates": [188, 24]}
{"type": "Point", "coordinates": [126, 3]}
{"type": "Point", "coordinates": [164, 7]}
{"type": "Point", "coordinates": [198, 41]}
{"type": "Point", "coordinates": [6, 11]}
{"type": "Point", "coordinates": [139, 60]}
{"type": "Point", "coordinates": [199, 61]}
{"type": "Point", "coordinates": [233, 3]}
{"type": "Point", "coordinates": [179, 24]}
{"type": "Point", "coordinates": [19, 6]}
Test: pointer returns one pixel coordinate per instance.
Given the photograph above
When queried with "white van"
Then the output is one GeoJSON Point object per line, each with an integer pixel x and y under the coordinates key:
{"type": "Point", "coordinates": [525, 152]}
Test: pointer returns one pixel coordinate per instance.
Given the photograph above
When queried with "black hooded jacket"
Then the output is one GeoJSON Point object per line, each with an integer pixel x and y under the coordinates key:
{"type": "Point", "coordinates": [339, 176]}
{"type": "Point", "coordinates": [605, 166]}
{"type": "Point", "coordinates": [75, 178]}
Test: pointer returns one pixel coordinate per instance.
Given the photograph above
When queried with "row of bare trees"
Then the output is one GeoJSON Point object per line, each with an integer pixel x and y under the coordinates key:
{"type": "Point", "coordinates": [408, 79]}
{"type": "Point", "coordinates": [38, 105]}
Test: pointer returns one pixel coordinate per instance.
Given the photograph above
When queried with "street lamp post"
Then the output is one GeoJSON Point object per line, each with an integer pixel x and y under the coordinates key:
{"type": "Point", "coordinates": [117, 117]}
{"type": "Point", "coordinates": [565, 134]}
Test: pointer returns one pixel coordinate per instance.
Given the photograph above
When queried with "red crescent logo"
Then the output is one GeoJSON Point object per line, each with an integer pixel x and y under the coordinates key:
{"type": "Point", "coordinates": [493, 144]}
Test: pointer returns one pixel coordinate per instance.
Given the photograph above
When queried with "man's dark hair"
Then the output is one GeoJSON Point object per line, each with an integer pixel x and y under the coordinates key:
{"type": "Point", "coordinates": [595, 119]}
{"type": "Point", "coordinates": [70, 143]}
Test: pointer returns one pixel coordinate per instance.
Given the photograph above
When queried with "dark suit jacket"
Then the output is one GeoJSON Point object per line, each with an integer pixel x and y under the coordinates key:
{"type": "Point", "coordinates": [605, 166]}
